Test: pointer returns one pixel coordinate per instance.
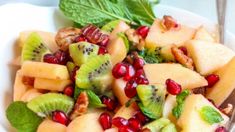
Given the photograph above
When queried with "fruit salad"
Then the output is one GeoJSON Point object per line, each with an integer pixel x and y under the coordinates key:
{"type": "Point", "coordinates": [122, 76]}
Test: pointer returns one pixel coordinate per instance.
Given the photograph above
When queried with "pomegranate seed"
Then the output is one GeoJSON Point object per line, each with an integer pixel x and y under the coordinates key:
{"type": "Point", "coordinates": [73, 74]}
{"type": "Point", "coordinates": [110, 103]}
{"type": "Point", "coordinates": [60, 117]}
{"type": "Point", "coordinates": [173, 87]}
{"type": "Point", "coordinates": [134, 124]}
{"type": "Point", "coordinates": [125, 129]}
{"type": "Point", "coordinates": [141, 117]}
{"type": "Point", "coordinates": [138, 63]}
{"type": "Point", "coordinates": [143, 31]}
{"type": "Point", "coordinates": [28, 80]}
{"type": "Point", "coordinates": [221, 129]}
{"type": "Point", "coordinates": [142, 80]}
{"type": "Point", "coordinates": [80, 38]}
{"type": "Point", "coordinates": [130, 72]}
{"type": "Point", "coordinates": [130, 89]}
{"type": "Point", "coordinates": [184, 50]}
{"type": "Point", "coordinates": [62, 57]}
{"type": "Point", "coordinates": [119, 121]}
{"type": "Point", "coordinates": [212, 80]}
{"type": "Point", "coordinates": [119, 70]}
{"type": "Point", "coordinates": [105, 121]}
{"type": "Point", "coordinates": [139, 72]}
{"type": "Point", "coordinates": [104, 42]}
{"type": "Point", "coordinates": [69, 90]}
{"type": "Point", "coordinates": [50, 58]}
{"type": "Point", "coordinates": [102, 51]}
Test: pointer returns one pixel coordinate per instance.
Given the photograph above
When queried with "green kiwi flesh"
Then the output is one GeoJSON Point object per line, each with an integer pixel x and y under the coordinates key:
{"type": "Point", "coordinates": [110, 26]}
{"type": "Point", "coordinates": [82, 52]}
{"type": "Point", "coordinates": [152, 98]}
{"type": "Point", "coordinates": [157, 125]}
{"type": "Point", "coordinates": [70, 66]}
{"type": "Point", "coordinates": [34, 49]}
{"type": "Point", "coordinates": [95, 74]}
{"type": "Point", "coordinates": [169, 128]}
{"type": "Point", "coordinates": [45, 104]}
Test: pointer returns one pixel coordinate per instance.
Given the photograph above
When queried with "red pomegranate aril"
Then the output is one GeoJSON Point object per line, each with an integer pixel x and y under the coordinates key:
{"type": "Point", "coordinates": [184, 50]}
{"type": "Point", "coordinates": [62, 57]}
{"type": "Point", "coordinates": [212, 79]}
{"type": "Point", "coordinates": [119, 70]}
{"type": "Point", "coordinates": [142, 80]}
{"type": "Point", "coordinates": [130, 89]}
{"type": "Point", "coordinates": [143, 31]}
{"type": "Point", "coordinates": [29, 81]}
{"type": "Point", "coordinates": [104, 42]}
{"type": "Point", "coordinates": [81, 38]}
{"type": "Point", "coordinates": [110, 103]}
{"type": "Point", "coordinates": [138, 63]}
{"type": "Point", "coordinates": [139, 73]}
{"type": "Point", "coordinates": [105, 121]}
{"type": "Point", "coordinates": [60, 117]}
{"type": "Point", "coordinates": [134, 124]}
{"type": "Point", "coordinates": [221, 129]}
{"type": "Point", "coordinates": [173, 87]}
{"type": "Point", "coordinates": [130, 72]}
{"type": "Point", "coordinates": [141, 117]}
{"type": "Point", "coordinates": [69, 90]}
{"type": "Point", "coordinates": [125, 129]}
{"type": "Point", "coordinates": [50, 58]}
{"type": "Point", "coordinates": [102, 51]}
{"type": "Point", "coordinates": [119, 121]}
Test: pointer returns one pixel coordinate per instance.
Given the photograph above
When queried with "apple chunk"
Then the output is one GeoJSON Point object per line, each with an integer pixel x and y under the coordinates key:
{"type": "Point", "coordinates": [203, 34]}
{"type": "Point", "coordinates": [159, 73]}
{"type": "Point", "coordinates": [118, 90]}
{"type": "Point", "coordinates": [207, 56]}
{"type": "Point", "coordinates": [50, 84]}
{"type": "Point", "coordinates": [127, 112]}
{"type": "Point", "coordinates": [51, 126]}
{"type": "Point", "coordinates": [222, 89]}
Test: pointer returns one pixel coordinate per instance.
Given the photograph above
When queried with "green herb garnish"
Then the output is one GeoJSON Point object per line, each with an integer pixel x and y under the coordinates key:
{"type": "Point", "coordinates": [151, 56]}
{"type": "Point", "coordinates": [180, 98]}
{"type": "Point", "coordinates": [210, 115]}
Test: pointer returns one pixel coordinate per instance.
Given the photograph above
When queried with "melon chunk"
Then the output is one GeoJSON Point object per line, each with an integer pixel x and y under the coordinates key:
{"type": "Point", "coordinates": [19, 87]}
{"type": "Point", "coordinates": [203, 34]}
{"type": "Point", "coordinates": [51, 126]}
{"type": "Point", "coordinates": [49, 84]}
{"type": "Point", "coordinates": [207, 56]}
{"type": "Point", "coordinates": [118, 90]}
{"type": "Point", "coordinates": [158, 37]}
{"type": "Point", "coordinates": [159, 73]}
{"type": "Point", "coordinates": [222, 89]}
{"type": "Point", "coordinates": [30, 94]}
{"type": "Point", "coordinates": [190, 119]}
{"type": "Point", "coordinates": [126, 112]}
{"type": "Point", "coordinates": [45, 70]}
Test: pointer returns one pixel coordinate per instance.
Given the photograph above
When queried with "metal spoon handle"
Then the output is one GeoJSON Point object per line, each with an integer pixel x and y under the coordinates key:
{"type": "Point", "coordinates": [221, 12]}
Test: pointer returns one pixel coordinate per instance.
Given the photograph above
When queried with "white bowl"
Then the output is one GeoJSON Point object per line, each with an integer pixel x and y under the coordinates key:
{"type": "Point", "coordinates": [19, 17]}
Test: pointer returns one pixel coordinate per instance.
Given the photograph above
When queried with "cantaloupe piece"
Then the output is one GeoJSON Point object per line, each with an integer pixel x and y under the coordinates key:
{"type": "Point", "coordinates": [51, 126]}
{"type": "Point", "coordinates": [118, 90]}
{"type": "Point", "coordinates": [159, 73]}
{"type": "Point", "coordinates": [126, 112]}
{"type": "Point", "coordinates": [44, 70]}
{"type": "Point", "coordinates": [121, 27]}
{"type": "Point", "coordinates": [47, 37]}
{"type": "Point", "coordinates": [50, 84]}
{"type": "Point", "coordinates": [19, 88]}
{"type": "Point", "coordinates": [190, 119]}
{"type": "Point", "coordinates": [30, 94]}
{"type": "Point", "coordinates": [208, 57]}
{"type": "Point", "coordinates": [85, 123]}
{"type": "Point", "coordinates": [203, 34]}
{"type": "Point", "coordinates": [159, 37]}
{"type": "Point", "coordinates": [222, 89]}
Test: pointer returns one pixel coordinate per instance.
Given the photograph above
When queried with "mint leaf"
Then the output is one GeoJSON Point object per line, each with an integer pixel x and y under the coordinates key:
{"type": "Point", "coordinates": [177, 110]}
{"type": "Point", "coordinates": [22, 118]}
{"type": "Point", "coordinates": [180, 98]}
{"type": "Point", "coordinates": [151, 56]}
{"type": "Point", "coordinates": [210, 115]}
{"type": "Point", "coordinates": [125, 39]}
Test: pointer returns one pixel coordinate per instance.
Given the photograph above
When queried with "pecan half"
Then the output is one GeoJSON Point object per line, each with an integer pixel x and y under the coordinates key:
{"type": "Point", "coordinates": [169, 23]}
{"type": "Point", "coordinates": [81, 105]}
{"type": "Point", "coordinates": [228, 110]}
{"type": "Point", "coordinates": [182, 58]}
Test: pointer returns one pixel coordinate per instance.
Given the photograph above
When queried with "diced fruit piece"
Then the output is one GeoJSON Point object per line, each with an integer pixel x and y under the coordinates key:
{"type": "Point", "coordinates": [167, 54]}
{"type": "Point", "coordinates": [212, 79]}
{"type": "Point", "coordinates": [110, 103]}
{"type": "Point", "coordinates": [44, 70]}
{"type": "Point", "coordinates": [173, 87]}
{"type": "Point", "coordinates": [60, 117]}
{"type": "Point", "coordinates": [223, 88]}
{"type": "Point", "coordinates": [203, 34]}
{"type": "Point", "coordinates": [19, 87]}
{"type": "Point", "coordinates": [117, 49]}
{"type": "Point", "coordinates": [82, 52]}
{"type": "Point", "coordinates": [118, 90]}
{"type": "Point", "coordinates": [152, 98]}
{"type": "Point", "coordinates": [188, 79]}
{"type": "Point", "coordinates": [191, 120]}
{"type": "Point", "coordinates": [102, 50]}
{"type": "Point", "coordinates": [126, 112]}
{"type": "Point", "coordinates": [143, 31]}
{"type": "Point", "coordinates": [135, 124]}
{"type": "Point", "coordinates": [50, 84]}
{"type": "Point", "coordinates": [109, 27]}
{"type": "Point", "coordinates": [169, 128]}
{"type": "Point", "coordinates": [121, 27]}
{"type": "Point", "coordinates": [47, 37]}
{"type": "Point", "coordinates": [138, 63]}
{"type": "Point", "coordinates": [30, 94]}
{"type": "Point", "coordinates": [119, 121]}
{"type": "Point", "coordinates": [130, 72]}
{"type": "Point", "coordinates": [141, 117]}
{"type": "Point", "coordinates": [157, 125]}
{"type": "Point", "coordinates": [33, 49]}
{"type": "Point", "coordinates": [119, 70]}
{"type": "Point", "coordinates": [170, 103]}
{"type": "Point", "coordinates": [70, 66]}
{"type": "Point", "coordinates": [85, 123]}
{"type": "Point", "coordinates": [112, 130]}
{"type": "Point", "coordinates": [51, 126]}
{"type": "Point", "coordinates": [45, 104]}
{"type": "Point", "coordinates": [130, 89]}
{"type": "Point", "coordinates": [159, 37]}
{"type": "Point", "coordinates": [59, 57]}
{"type": "Point", "coordinates": [95, 74]}
{"type": "Point", "coordinates": [105, 121]}
{"type": "Point", "coordinates": [69, 91]}
{"type": "Point", "coordinates": [207, 56]}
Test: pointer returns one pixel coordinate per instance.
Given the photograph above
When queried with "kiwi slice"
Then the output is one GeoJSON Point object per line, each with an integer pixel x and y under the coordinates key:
{"type": "Point", "coordinates": [82, 52]}
{"type": "Point", "coordinates": [34, 49]}
{"type": "Point", "coordinates": [70, 66]}
{"type": "Point", "coordinates": [152, 99]}
{"type": "Point", "coordinates": [169, 128]}
{"type": "Point", "coordinates": [95, 74]}
{"type": "Point", "coordinates": [45, 104]}
{"type": "Point", "coordinates": [110, 26]}
{"type": "Point", "coordinates": [157, 125]}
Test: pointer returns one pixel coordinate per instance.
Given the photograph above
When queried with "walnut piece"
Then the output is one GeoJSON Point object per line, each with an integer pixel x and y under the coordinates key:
{"type": "Point", "coordinates": [136, 39]}
{"type": "Point", "coordinates": [81, 105]}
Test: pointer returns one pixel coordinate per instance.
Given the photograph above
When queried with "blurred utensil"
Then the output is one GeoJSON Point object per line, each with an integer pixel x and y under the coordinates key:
{"type": "Point", "coordinates": [221, 13]}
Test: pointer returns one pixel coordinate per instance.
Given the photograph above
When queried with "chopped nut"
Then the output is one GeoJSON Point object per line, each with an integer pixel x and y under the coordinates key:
{"type": "Point", "coordinates": [169, 23]}
{"type": "Point", "coordinates": [81, 105]}
{"type": "Point", "coordinates": [228, 110]}
{"type": "Point", "coordinates": [66, 36]}
{"type": "Point", "coordinates": [181, 57]}
{"type": "Point", "coordinates": [136, 39]}
{"type": "Point", "coordinates": [201, 90]}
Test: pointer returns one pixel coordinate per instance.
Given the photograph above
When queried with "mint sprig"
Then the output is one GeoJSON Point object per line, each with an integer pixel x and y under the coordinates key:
{"type": "Point", "coordinates": [210, 115]}
{"type": "Point", "coordinates": [180, 98]}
